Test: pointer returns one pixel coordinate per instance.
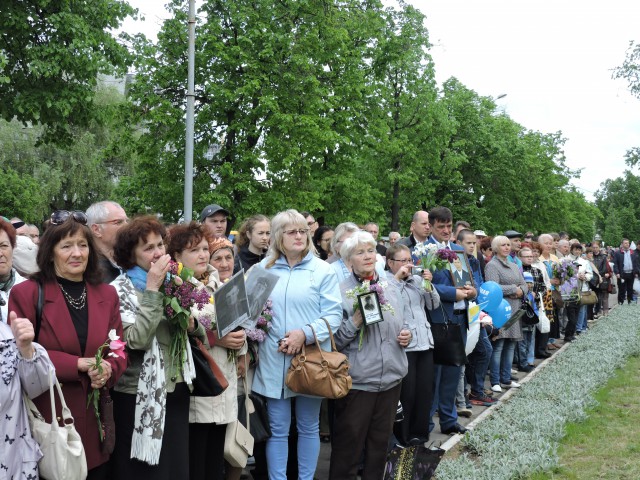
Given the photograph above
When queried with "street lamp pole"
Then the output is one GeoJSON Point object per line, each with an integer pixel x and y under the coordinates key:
{"type": "Point", "coordinates": [188, 151]}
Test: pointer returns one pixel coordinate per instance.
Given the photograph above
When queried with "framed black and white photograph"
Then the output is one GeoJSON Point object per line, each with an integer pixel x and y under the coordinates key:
{"type": "Point", "coordinates": [370, 308]}
{"type": "Point", "coordinates": [232, 306]}
{"type": "Point", "coordinates": [259, 284]}
{"type": "Point", "coordinates": [460, 271]}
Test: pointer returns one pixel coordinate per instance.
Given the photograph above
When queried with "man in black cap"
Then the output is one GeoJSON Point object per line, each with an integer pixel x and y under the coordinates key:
{"type": "Point", "coordinates": [516, 243]}
{"type": "Point", "coordinates": [214, 218]}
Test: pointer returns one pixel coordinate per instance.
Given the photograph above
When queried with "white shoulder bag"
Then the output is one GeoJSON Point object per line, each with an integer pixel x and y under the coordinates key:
{"type": "Point", "coordinates": [64, 457]}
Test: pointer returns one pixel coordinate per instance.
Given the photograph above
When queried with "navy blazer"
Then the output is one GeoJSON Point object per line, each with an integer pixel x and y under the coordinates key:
{"type": "Point", "coordinates": [618, 259]}
{"type": "Point", "coordinates": [443, 283]}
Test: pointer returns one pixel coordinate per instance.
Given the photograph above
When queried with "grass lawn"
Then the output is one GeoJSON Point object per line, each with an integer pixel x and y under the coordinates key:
{"type": "Point", "coordinates": [607, 444]}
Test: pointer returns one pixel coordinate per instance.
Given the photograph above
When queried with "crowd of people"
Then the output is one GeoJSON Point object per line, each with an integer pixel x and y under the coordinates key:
{"type": "Point", "coordinates": [97, 274]}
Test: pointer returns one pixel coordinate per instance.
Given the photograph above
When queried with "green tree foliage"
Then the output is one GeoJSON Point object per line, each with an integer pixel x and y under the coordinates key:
{"type": "Point", "coordinates": [69, 177]}
{"type": "Point", "coordinates": [51, 53]}
{"type": "Point", "coordinates": [619, 202]}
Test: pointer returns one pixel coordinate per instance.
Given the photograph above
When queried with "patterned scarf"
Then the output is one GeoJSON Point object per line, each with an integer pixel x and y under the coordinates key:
{"type": "Point", "coordinates": [151, 400]}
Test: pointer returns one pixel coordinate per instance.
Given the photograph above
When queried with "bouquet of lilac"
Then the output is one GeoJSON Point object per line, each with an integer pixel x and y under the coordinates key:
{"type": "Point", "coordinates": [263, 325]}
{"type": "Point", "coordinates": [430, 258]}
{"type": "Point", "coordinates": [567, 273]}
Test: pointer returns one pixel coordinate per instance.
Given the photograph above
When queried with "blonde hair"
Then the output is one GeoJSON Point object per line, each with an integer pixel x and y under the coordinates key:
{"type": "Point", "coordinates": [293, 219]}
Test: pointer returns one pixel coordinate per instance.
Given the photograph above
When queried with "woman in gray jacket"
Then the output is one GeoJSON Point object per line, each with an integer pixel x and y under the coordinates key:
{"type": "Point", "coordinates": [504, 272]}
{"type": "Point", "coordinates": [416, 395]}
{"type": "Point", "coordinates": [378, 361]}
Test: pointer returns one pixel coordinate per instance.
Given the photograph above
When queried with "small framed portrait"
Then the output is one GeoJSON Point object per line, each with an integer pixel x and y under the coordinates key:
{"type": "Point", "coordinates": [370, 308]}
{"type": "Point", "coordinates": [460, 271]}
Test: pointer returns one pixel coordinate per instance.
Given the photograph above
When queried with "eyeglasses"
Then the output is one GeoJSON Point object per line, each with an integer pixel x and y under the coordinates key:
{"type": "Point", "coordinates": [60, 216]}
{"type": "Point", "coordinates": [401, 260]}
{"type": "Point", "coordinates": [297, 231]}
{"type": "Point", "coordinates": [117, 221]}
{"type": "Point", "coordinates": [311, 224]}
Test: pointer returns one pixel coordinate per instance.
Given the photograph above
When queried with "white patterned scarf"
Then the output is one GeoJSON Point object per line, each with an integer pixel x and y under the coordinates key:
{"type": "Point", "coordinates": [148, 429]}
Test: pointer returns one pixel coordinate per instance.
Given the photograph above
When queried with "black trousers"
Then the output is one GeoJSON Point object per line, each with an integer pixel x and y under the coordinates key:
{"type": "Point", "coordinates": [363, 423]}
{"type": "Point", "coordinates": [206, 451]}
{"type": "Point", "coordinates": [572, 308]}
{"type": "Point", "coordinates": [174, 455]}
{"type": "Point", "coordinates": [626, 287]}
{"type": "Point", "coordinates": [416, 396]}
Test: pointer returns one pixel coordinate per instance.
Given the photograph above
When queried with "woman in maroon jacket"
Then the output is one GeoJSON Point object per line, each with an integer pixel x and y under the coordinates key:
{"type": "Point", "coordinates": [78, 313]}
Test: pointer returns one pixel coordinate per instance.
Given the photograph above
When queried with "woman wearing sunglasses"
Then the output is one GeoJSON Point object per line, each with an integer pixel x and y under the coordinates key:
{"type": "Point", "coordinates": [306, 293]}
{"type": "Point", "coordinates": [78, 312]}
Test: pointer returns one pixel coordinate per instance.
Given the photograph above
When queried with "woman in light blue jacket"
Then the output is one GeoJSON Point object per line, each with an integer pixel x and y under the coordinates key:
{"type": "Point", "coordinates": [306, 293]}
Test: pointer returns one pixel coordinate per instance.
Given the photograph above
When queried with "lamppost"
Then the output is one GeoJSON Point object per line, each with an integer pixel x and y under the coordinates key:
{"type": "Point", "coordinates": [188, 151]}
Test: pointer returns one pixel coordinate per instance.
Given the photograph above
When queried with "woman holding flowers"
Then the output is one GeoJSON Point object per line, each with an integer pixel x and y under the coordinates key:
{"type": "Point", "coordinates": [208, 416]}
{"type": "Point", "coordinates": [416, 394]}
{"type": "Point", "coordinates": [306, 295]}
{"type": "Point", "coordinates": [365, 416]}
{"type": "Point", "coordinates": [78, 312]}
{"type": "Point", "coordinates": [151, 398]}
{"type": "Point", "coordinates": [514, 288]}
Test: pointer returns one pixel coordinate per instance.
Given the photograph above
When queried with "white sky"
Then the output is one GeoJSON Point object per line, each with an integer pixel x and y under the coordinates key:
{"type": "Point", "coordinates": [553, 59]}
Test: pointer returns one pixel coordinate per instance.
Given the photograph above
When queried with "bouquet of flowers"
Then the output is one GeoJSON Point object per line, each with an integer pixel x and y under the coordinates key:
{"type": "Point", "coordinates": [117, 350]}
{"type": "Point", "coordinates": [367, 287]}
{"type": "Point", "coordinates": [183, 296]}
{"type": "Point", "coordinates": [430, 258]}
{"type": "Point", "coordinates": [263, 325]}
{"type": "Point", "coordinates": [567, 272]}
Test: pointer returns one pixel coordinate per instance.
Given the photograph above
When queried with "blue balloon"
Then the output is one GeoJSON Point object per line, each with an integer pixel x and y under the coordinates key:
{"type": "Point", "coordinates": [491, 294]}
{"type": "Point", "coordinates": [501, 314]}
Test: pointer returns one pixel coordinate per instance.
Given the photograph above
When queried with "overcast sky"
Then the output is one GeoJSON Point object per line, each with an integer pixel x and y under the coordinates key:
{"type": "Point", "coordinates": [552, 59]}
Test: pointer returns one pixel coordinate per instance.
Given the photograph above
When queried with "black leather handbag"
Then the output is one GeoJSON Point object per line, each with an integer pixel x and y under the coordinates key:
{"type": "Point", "coordinates": [209, 381]}
{"type": "Point", "coordinates": [448, 346]}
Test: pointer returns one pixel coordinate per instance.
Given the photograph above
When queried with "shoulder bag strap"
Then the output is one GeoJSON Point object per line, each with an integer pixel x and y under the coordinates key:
{"type": "Point", "coordinates": [66, 413]}
{"type": "Point", "coordinates": [333, 342]}
{"type": "Point", "coordinates": [246, 391]}
{"type": "Point", "coordinates": [39, 306]}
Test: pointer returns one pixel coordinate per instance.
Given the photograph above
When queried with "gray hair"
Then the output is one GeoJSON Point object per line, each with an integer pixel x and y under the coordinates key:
{"type": "Point", "coordinates": [346, 227]}
{"type": "Point", "coordinates": [497, 240]}
{"type": "Point", "coordinates": [98, 212]}
{"type": "Point", "coordinates": [358, 238]}
{"type": "Point", "coordinates": [544, 237]}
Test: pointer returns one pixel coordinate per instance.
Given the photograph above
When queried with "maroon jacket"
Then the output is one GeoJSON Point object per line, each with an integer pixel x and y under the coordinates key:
{"type": "Point", "coordinates": [58, 336]}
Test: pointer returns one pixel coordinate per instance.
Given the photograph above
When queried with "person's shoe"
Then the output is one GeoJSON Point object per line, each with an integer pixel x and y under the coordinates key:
{"type": "Point", "coordinates": [569, 339]}
{"type": "Point", "coordinates": [552, 346]}
{"type": "Point", "coordinates": [513, 371]}
{"type": "Point", "coordinates": [417, 441]}
{"type": "Point", "coordinates": [511, 384]}
{"type": "Point", "coordinates": [543, 355]}
{"type": "Point", "coordinates": [456, 428]}
{"type": "Point", "coordinates": [496, 388]}
{"type": "Point", "coordinates": [526, 369]}
{"type": "Point", "coordinates": [482, 400]}
{"type": "Point", "coordinates": [464, 412]}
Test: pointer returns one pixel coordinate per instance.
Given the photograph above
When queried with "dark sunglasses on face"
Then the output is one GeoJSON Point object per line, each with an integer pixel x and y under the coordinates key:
{"type": "Point", "coordinates": [60, 216]}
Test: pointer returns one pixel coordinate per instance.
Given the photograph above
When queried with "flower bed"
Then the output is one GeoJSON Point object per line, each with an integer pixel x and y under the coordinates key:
{"type": "Point", "coordinates": [522, 434]}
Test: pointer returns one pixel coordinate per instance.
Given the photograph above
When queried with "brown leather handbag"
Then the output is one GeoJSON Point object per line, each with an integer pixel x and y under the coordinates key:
{"type": "Point", "coordinates": [316, 372]}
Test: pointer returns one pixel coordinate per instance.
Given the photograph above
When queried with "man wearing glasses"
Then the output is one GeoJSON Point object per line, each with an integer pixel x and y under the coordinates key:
{"type": "Point", "coordinates": [311, 222]}
{"type": "Point", "coordinates": [105, 219]}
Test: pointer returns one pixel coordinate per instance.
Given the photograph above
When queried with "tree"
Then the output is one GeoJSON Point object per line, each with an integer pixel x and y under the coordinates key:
{"type": "Point", "coordinates": [619, 203]}
{"type": "Point", "coordinates": [50, 56]}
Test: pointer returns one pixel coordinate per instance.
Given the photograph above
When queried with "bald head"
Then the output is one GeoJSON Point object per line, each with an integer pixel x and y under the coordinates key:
{"type": "Point", "coordinates": [420, 226]}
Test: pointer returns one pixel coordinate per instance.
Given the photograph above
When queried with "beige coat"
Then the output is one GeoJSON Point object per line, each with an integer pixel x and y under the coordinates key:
{"type": "Point", "coordinates": [223, 408]}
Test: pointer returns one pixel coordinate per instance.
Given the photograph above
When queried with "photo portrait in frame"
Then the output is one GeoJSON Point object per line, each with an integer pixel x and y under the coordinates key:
{"type": "Point", "coordinates": [461, 271]}
{"type": "Point", "coordinates": [370, 308]}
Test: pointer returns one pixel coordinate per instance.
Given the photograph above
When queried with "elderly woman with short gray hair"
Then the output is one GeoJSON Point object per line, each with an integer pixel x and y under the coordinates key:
{"type": "Point", "coordinates": [365, 416]}
{"type": "Point", "coordinates": [514, 288]}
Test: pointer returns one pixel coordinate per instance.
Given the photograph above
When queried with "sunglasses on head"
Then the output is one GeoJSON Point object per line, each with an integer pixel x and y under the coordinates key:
{"type": "Point", "coordinates": [60, 216]}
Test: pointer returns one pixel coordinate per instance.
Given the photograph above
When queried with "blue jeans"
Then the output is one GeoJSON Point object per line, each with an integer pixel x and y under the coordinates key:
{"type": "Point", "coordinates": [307, 421]}
{"type": "Point", "coordinates": [582, 319]}
{"type": "Point", "coordinates": [526, 348]}
{"type": "Point", "coordinates": [478, 362]}
{"type": "Point", "coordinates": [501, 361]}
